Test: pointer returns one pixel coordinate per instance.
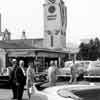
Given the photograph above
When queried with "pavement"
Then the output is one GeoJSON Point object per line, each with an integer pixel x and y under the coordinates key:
{"type": "Point", "coordinates": [6, 94]}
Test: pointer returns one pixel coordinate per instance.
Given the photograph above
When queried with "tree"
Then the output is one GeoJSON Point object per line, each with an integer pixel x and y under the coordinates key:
{"type": "Point", "coordinates": [90, 51]}
{"type": "Point", "coordinates": [83, 53]}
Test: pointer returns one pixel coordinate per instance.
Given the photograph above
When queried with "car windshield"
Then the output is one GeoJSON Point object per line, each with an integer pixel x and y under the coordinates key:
{"type": "Point", "coordinates": [67, 94]}
{"type": "Point", "coordinates": [86, 93]}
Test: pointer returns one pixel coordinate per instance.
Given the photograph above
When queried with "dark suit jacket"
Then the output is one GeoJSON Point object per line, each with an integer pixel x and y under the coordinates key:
{"type": "Point", "coordinates": [20, 78]}
{"type": "Point", "coordinates": [12, 76]}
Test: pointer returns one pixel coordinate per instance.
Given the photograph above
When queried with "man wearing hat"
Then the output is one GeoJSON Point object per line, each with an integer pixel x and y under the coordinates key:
{"type": "Point", "coordinates": [20, 79]}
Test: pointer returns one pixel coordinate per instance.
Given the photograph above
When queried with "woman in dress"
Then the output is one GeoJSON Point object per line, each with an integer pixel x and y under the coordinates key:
{"type": "Point", "coordinates": [52, 74]}
{"type": "Point", "coordinates": [30, 74]}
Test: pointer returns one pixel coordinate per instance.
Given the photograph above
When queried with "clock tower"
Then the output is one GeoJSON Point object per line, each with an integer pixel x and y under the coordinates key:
{"type": "Point", "coordinates": [55, 24]}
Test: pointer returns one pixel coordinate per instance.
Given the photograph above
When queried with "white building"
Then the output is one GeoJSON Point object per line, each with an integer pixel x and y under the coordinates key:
{"type": "Point", "coordinates": [55, 24]}
{"type": "Point", "coordinates": [52, 46]}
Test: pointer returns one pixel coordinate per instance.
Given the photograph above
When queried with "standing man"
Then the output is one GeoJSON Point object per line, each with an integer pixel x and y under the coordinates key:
{"type": "Point", "coordinates": [52, 74]}
{"type": "Point", "coordinates": [12, 79]}
{"type": "Point", "coordinates": [20, 79]}
{"type": "Point", "coordinates": [56, 63]}
{"type": "Point", "coordinates": [74, 73]}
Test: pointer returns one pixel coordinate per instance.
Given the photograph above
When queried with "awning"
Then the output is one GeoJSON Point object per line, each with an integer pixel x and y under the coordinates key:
{"type": "Point", "coordinates": [32, 53]}
{"type": "Point", "coordinates": [21, 54]}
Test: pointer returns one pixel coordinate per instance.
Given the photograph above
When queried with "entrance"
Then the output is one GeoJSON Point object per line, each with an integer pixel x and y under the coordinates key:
{"type": "Point", "coordinates": [41, 64]}
{"type": "Point", "coordinates": [47, 61]}
{"type": "Point", "coordinates": [25, 59]}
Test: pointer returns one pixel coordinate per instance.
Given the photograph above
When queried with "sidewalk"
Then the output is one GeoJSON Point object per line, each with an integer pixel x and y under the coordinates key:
{"type": "Point", "coordinates": [6, 94]}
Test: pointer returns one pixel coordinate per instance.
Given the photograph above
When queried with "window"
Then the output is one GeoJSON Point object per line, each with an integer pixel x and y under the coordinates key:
{"type": "Point", "coordinates": [52, 41]}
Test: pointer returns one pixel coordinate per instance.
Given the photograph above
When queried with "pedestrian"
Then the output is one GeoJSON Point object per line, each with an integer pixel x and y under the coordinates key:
{"type": "Point", "coordinates": [20, 79]}
{"type": "Point", "coordinates": [30, 74]}
{"type": "Point", "coordinates": [56, 68]}
{"type": "Point", "coordinates": [12, 79]}
{"type": "Point", "coordinates": [52, 74]}
{"type": "Point", "coordinates": [74, 73]}
{"type": "Point", "coordinates": [56, 63]}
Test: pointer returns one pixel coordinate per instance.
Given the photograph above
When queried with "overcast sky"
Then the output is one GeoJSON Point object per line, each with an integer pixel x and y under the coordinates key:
{"type": "Point", "coordinates": [83, 18]}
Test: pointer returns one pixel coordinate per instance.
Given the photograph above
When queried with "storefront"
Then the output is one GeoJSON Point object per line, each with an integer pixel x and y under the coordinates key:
{"type": "Point", "coordinates": [41, 57]}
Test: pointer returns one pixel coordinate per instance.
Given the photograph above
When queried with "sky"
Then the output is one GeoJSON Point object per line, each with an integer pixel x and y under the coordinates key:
{"type": "Point", "coordinates": [83, 18]}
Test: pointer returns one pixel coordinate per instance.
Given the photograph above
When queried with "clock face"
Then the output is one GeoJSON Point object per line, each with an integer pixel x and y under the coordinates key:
{"type": "Point", "coordinates": [52, 1]}
{"type": "Point", "coordinates": [52, 9]}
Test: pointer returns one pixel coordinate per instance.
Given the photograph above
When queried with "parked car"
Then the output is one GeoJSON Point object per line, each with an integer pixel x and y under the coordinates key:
{"type": "Point", "coordinates": [4, 77]}
{"type": "Point", "coordinates": [81, 68]}
{"type": "Point", "coordinates": [67, 92]}
{"type": "Point", "coordinates": [93, 69]}
{"type": "Point", "coordinates": [41, 77]}
{"type": "Point", "coordinates": [4, 82]}
{"type": "Point", "coordinates": [62, 92]}
{"type": "Point", "coordinates": [66, 69]}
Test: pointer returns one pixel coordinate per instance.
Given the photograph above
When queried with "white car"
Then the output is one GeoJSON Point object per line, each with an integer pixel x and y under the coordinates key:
{"type": "Point", "coordinates": [66, 70]}
{"type": "Point", "coordinates": [93, 69]}
{"type": "Point", "coordinates": [68, 92]}
{"type": "Point", "coordinates": [81, 68]}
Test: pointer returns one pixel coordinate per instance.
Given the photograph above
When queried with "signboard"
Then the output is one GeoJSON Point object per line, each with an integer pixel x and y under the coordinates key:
{"type": "Point", "coordinates": [51, 12]}
{"type": "Point", "coordinates": [51, 17]}
{"type": "Point", "coordinates": [21, 54]}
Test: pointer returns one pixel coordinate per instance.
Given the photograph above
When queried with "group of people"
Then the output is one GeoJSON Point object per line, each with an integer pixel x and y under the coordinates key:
{"type": "Point", "coordinates": [53, 71]}
{"type": "Point", "coordinates": [18, 78]}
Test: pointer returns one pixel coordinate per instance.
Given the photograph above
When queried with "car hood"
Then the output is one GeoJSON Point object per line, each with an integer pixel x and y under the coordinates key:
{"type": "Point", "coordinates": [67, 90]}
{"type": "Point", "coordinates": [56, 91]}
{"type": "Point", "coordinates": [52, 93]}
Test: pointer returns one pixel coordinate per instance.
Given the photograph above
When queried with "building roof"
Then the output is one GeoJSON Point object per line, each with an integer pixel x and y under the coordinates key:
{"type": "Point", "coordinates": [21, 44]}
{"type": "Point", "coordinates": [36, 44]}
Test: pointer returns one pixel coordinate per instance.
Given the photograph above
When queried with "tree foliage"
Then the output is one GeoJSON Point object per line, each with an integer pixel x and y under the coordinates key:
{"type": "Point", "coordinates": [89, 51]}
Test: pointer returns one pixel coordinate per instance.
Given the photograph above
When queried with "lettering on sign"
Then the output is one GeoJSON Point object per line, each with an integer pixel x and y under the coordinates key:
{"type": "Point", "coordinates": [51, 17]}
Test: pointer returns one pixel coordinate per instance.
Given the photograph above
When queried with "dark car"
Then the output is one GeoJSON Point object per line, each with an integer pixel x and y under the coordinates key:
{"type": "Point", "coordinates": [4, 82]}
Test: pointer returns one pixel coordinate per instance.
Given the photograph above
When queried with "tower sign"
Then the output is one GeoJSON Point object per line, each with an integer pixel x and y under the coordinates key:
{"type": "Point", "coordinates": [52, 1]}
{"type": "Point", "coordinates": [55, 24]}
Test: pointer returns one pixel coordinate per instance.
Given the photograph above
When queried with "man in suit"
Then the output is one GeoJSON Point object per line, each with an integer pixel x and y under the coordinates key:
{"type": "Point", "coordinates": [12, 78]}
{"type": "Point", "coordinates": [20, 79]}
